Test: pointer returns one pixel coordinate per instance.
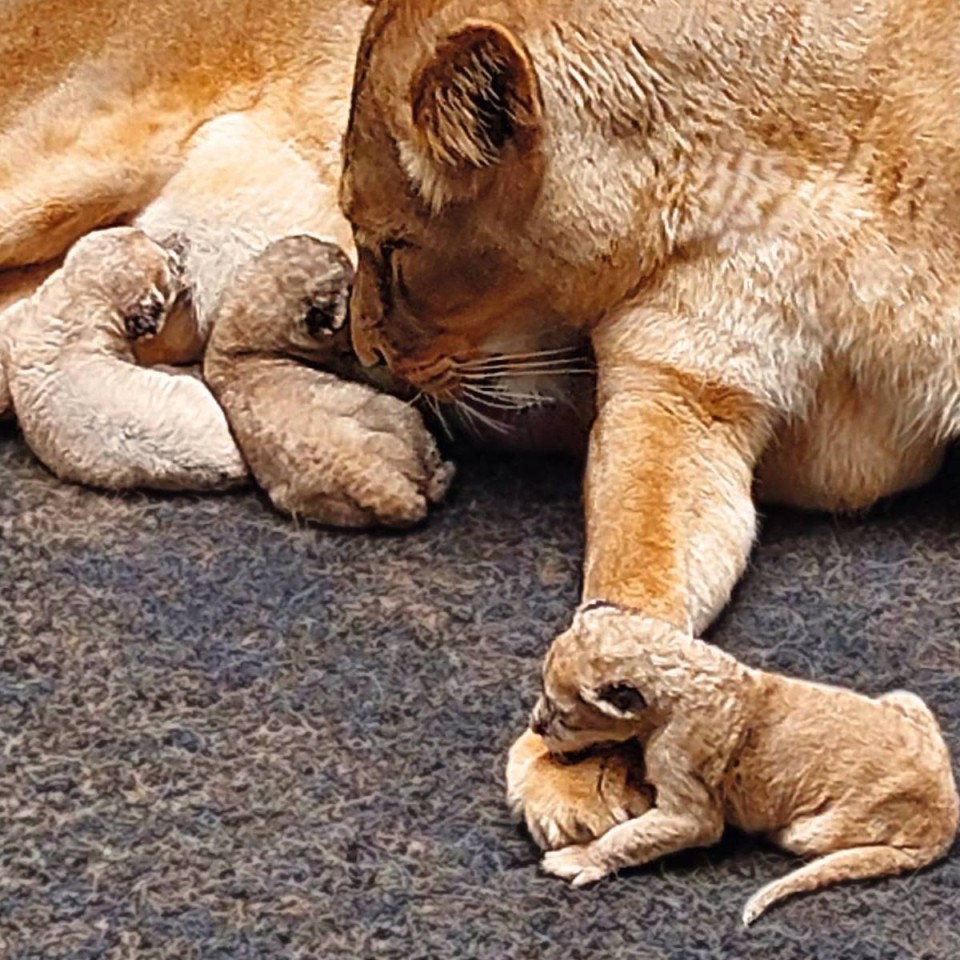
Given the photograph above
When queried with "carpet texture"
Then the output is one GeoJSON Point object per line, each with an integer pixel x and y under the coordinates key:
{"type": "Point", "coordinates": [224, 736]}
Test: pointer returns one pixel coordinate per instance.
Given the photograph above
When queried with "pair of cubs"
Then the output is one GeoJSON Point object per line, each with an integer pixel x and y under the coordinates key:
{"type": "Point", "coordinates": [862, 785]}
{"type": "Point", "coordinates": [275, 396]}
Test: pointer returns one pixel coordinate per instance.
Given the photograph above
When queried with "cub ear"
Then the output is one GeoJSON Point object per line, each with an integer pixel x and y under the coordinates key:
{"type": "Point", "coordinates": [617, 700]}
{"type": "Point", "coordinates": [476, 95]}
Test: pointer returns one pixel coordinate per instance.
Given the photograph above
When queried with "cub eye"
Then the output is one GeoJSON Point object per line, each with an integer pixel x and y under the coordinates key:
{"type": "Point", "coordinates": [326, 316]}
{"type": "Point", "coordinates": [623, 697]}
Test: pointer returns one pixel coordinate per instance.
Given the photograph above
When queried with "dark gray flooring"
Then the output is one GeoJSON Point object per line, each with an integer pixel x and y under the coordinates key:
{"type": "Point", "coordinates": [227, 737]}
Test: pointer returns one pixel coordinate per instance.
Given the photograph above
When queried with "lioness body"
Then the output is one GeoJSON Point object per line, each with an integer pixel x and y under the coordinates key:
{"type": "Point", "coordinates": [751, 209]}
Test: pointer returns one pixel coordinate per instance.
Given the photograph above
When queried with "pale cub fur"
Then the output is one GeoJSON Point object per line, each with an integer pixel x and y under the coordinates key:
{"type": "Point", "coordinates": [864, 785]}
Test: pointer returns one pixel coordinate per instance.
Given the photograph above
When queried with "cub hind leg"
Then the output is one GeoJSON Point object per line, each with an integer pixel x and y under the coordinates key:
{"type": "Point", "coordinates": [912, 707]}
{"type": "Point", "coordinates": [859, 842]}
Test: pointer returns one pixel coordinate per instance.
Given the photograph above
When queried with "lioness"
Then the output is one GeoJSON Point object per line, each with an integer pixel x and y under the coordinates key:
{"type": "Point", "coordinates": [751, 208]}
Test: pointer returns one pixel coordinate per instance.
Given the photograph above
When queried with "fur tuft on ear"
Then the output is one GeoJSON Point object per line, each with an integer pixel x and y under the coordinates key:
{"type": "Point", "coordinates": [474, 96]}
{"type": "Point", "coordinates": [618, 700]}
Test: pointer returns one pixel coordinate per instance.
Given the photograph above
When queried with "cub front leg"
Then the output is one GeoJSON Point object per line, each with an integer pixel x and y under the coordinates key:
{"type": "Point", "coordinates": [656, 834]}
{"type": "Point", "coordinates": [686, 814]}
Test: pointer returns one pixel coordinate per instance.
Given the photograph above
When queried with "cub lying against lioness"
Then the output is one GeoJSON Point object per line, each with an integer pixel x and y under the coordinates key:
{"type": "Point", "coordinates": [322, 447]}
{"type": "Point", "coordinates": [864, 785]}
{"type": "Point", "coordinates": [86, 408]}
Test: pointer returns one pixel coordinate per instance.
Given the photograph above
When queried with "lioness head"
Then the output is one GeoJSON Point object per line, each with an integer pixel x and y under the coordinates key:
{"type": "Point", "coordinates": [493, 220]}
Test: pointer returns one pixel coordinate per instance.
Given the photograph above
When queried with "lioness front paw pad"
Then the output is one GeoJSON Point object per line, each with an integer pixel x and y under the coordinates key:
{"type": "Point", "coordinates": [563, 802]}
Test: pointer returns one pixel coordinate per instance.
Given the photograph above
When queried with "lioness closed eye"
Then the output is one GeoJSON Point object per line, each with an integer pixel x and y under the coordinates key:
{"type": "Point", "coordinates": [751, 211]}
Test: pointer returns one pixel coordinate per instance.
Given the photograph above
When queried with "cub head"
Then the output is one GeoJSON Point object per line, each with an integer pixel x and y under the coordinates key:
{"type": "Point", "coordinates": [482, 214]}
{"type": "Point", "coordinates": [593, 688]}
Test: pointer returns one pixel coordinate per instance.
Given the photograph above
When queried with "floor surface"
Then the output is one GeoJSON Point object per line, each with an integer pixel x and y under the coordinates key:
{"type": "Point", "coordinates": [226, 736]}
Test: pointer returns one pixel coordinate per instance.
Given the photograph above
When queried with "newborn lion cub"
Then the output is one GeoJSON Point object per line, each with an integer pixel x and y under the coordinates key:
{"type": "Point", "coordinates": [864, 785]}
{"type": "Point", "coordinates": [322, 447]}
{"type": "Point", "coordinates": [88, 411]}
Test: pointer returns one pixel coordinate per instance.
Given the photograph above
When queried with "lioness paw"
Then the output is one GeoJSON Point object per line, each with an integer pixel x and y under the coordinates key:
{"type": "Point", "coordinates": [564, 803]}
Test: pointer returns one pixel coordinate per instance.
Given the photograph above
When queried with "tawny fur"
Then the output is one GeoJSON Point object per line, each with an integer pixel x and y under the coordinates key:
{"type": "Point", "coordinates": [864, 785]}
{"type": "Point", "coordinates": [322, 447]}
{"type": "Point", "coordinates": [564, 802]}
{"type": "Point", "coordinates": [219, 122]}
{"type": "Point", "coordinates": [749, 208]}
{"type": "Point", "coordinates": [109, 103]}
{"type": "Point", "coordinates": [754, 200]}
{"type": "Point", "coordinates": [86, 408]}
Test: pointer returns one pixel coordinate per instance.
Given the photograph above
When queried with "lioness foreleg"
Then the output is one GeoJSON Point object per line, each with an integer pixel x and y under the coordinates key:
{"type": "Point", "coordinates": [670, 517]}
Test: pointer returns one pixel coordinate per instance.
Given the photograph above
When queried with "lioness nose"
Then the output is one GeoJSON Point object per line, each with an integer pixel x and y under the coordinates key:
{"type": "Point", "coordinates": [366, 316]}
{"type": "Point", "coordinates": [365, 342]}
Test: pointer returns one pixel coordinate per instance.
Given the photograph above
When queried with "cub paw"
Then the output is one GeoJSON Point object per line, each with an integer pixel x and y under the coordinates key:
{"type": "Point", "coordinates": [395, 469]}
{"type": "Point", "coordinates": [580, 864]}
{"type": "Point", "coordinates": [563, 802]}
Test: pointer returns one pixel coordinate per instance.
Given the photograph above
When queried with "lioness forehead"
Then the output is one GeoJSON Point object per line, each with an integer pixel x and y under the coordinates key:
{"type": "Point", "coordinates": [372, 173]}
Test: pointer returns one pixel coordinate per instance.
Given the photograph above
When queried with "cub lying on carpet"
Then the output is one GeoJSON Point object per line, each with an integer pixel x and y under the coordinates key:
{"type": "Point", "coordinates": [865, 785]}
{"type": "Point", "coordinates": [87, 409]}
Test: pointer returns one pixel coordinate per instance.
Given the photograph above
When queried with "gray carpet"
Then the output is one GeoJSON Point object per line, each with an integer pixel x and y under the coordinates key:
{"type": "Point", "coordinates": [225, 736]}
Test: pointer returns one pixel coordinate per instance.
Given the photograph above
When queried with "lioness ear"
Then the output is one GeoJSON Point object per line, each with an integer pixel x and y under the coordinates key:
{"type": "Point", "coordinates": [618, 700]}
{"type": "Point", "coordinates": [474, 96]}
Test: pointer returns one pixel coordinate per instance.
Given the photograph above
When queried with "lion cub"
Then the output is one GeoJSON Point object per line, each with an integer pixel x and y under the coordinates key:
{"type": "Point", "coordinates": [321, 446]}
{"type": "Point", "coordinates": [864, 785]}
{"type": "Point", "coordinates": [87, 409]}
